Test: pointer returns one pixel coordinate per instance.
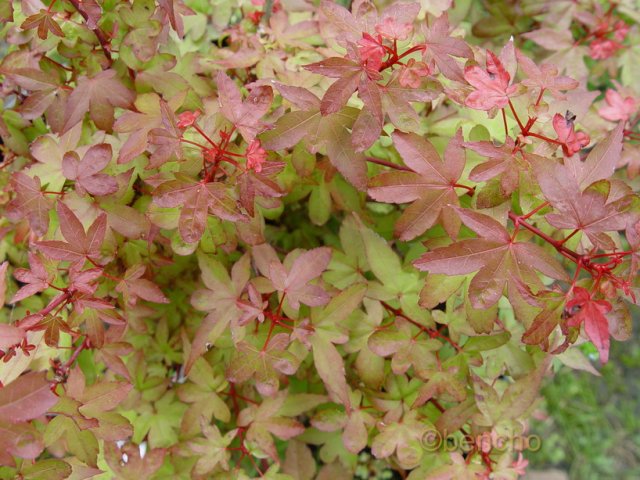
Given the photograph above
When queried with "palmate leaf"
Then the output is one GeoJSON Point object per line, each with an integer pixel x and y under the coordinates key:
{"type": "Point", "coordinates": [99, 96]}
{"type": "Point", "coordinates": [330, 132]}
{"type": "Point", "coordinates": [293, 278]}
{"type": "Point", "coordinates": [430, 185]}
{"type": "Point", "coordinates": [30, 202]}
{"type": "Point", "coordinates": [79, 245]}
{"type": "Point", "coordinates": [442, 48]}
{"type": "Point", "coordinates": [26, 398]}
{"type": "Point", "coordinates": [85, 172]}
{"type": "Point", "coordinates": [499, 261]}
{"type": "Point", "coordinates": [603, 206]}
{"type": "Point", "coordinates": [245, 115]}
{"type": "Point", "coordinates": [196, 200]}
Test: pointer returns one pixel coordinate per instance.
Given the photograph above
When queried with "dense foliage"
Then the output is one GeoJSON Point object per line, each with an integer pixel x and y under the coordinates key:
{"type": "Point", "coordinates": [298, 239]}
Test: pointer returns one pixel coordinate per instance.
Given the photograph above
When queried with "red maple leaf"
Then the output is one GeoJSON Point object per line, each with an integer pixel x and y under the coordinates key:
{"type": "Point", "coordinates": [36, 277]}
{"type": "Point", "coordinates": [500, 261]}
{"type": "Point", "coordinates": [430, 185]}
{"type": "Point", "coordinates": [493, 85]}
{"type": "Point", "coordinates": [79, 245]}
{"type": "Point", "coordinates": [591, 313]}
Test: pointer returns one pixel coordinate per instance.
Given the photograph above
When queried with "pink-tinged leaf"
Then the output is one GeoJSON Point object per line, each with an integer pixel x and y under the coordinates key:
{"type": "Point", "coordinates": [95, 236]}
{"type": "Point", "coordinates": [308, 266]}
{"type": "Point", "coordinates": [193, 217]}
{"type": "Point", "coordinates": [30, 202]}
{"type": "Point", "coordinates": [61, 250]}
{"type": "Point", "coordinates": [591, 313]}
{"type": "Point", "coordinates": [85, 172]}
{"type": "Point", "coordinates": [290, 129]}
{"type": "Point", "coordinates": [339, 93]}
{"type": "Point", "coordinates": [37, 278]}
{"type": "Point", "coordinates": [461, 258]}
{"type": "Point", "coordinates": [300, 97]}
{"type": "Point", "coordinates": [543, 324]}
{"type": "Point", "coordinates": [430, 185]}
{"type": "Point", "coordinates": [244, 115]}
{"type": "Point", "coordinates": [330, 366]}
{"type": "Point", "coordinates": [492, 85]}
{"type": "Point", "coordinates": [596, 210]}
{"type": "Point", "coordinates": [603, 159]}
{"type": "Point", "coordinates": [618, 109]}
{"type": "Point", "coordinates": [551, 39]}
{"type": "Point", "coordinates": [500, 262]}
{"type": "Point", "coordinates": [71, 228]}
{"type": "Point", "coordinates": [484, 226]}
{"type": "Point", "coordinates": [99, 96]}
{"type": "Point", "coordinates": [26, 398]}
{"type": "Point", "coordinates": [441, 47]}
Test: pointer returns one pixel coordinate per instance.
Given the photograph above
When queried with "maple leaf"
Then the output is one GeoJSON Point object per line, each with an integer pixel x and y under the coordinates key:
{"type": "Point", "coordinates": [26, 398]}
{"type": "Point", "coordinates": [262, 364]}
{"type": "Point", "coordinates": [411, 74]}
{"type": "Point", "coordinates": [46, 90]}
{"type": "Point", "coordinates": [618, 108]}
{"type": "Point", "coordinates": [165, 143]}
{"type": "Point", "coordinates": [591, 313]}
{"type": "Point", "coordinates": [173, 11]}
{"type": "Point", "coordinates": [99, 96]}
{"type": "Point", "coordinates": [405, 350]}
{"type": "Point", "coordinates": [245, 115]}
{"type": "Point", "coordinates": [405, 437]}
{"type": "Point", "coordinates": [499, 261]}
{"type": "Point", "coordinates": [83, 281]}
{"type": "Point", "coordinates": [196, 199]}
{"type": "Point", "coordinates": [44, 22]}
{"type": "Point", "coordinates": [430, 185]}
{"type": "Point", "coordinates": [350, 74]}
{"type": "Point", "coordinates": [85, 172]}
{"type": "Point", "coordinates": [267, 419]}
{"type": "Point", "coordinates": [133, 287]}
{"type": "Point", "coordinates": [294, 276]}
{"type": "Point", "coordinates": [79, 245]}
{"type": "Point", "coordinates": [52, 326]}
{"type": "Point", "coordinates": [601, 207]}
{"type": "Point", "coordinates": [397, 98]}
{"type": "Point", "coordinates": [355, 73]}
{"type": "Point", "coordinates": [222, 299]}
{"type": "Point", "coordinates": [545, 77]}
{"type": "Point", "coordinates": [49, 151]}
{"type": "Point", "coordinates": [502, 163]}
{"type": "Point", "coordinates": [492, 85]}
{"type": "Point", "coordinates": [546, 321]}
{"type": "Point", "coordinates": [212, 450]}
{"type": "Point", "coordinates": [572, 142]}
{"type": "Point", "coordinates": [30, 202]}
{"type": "Point", "coordinates": [331, 132]}
{"type": "Point", "coordinates": [259, 183]}
{"type": "Point", "coordinates": [394, 21]}
{"type": "Point", "coordinates": [326, 333]}
{"type": "Point", "coordinates": [442, 48]}
{"type": "Point", "coordinates": [148, 115]}
{"type": "Point", "coordinates": [37, 278]}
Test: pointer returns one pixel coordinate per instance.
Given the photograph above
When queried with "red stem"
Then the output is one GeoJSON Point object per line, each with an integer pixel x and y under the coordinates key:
{"type": "Point", "coordinates": [429, 331]}
{"type": "Point", "coordinates": [102, 38]}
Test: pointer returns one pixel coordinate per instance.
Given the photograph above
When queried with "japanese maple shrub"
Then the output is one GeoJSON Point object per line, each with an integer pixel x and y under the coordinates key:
{"type": "Point", "coordinates": [297, 240]}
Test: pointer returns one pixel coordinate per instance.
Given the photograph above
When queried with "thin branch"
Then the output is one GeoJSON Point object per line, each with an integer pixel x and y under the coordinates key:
{"type": "Point", "coordinates": [102, 37]}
